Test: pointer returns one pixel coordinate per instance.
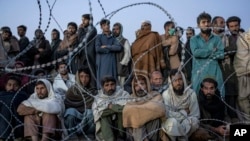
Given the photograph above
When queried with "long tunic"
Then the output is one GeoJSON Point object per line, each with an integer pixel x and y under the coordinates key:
{"type": "Point", "coordinates": [106, 57]}
{"type": "Point", "coordinates": [205, 60]}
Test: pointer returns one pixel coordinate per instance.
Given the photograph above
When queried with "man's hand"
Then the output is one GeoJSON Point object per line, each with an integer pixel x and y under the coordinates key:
{"type": "Point", "coordinates": [222, 130]}
{"type": "Point", "coordinates": [103, 46]}
{"type": "Point", "coordinates": [187, 110]}
{"type": "Point", "coordinates": [39, 113]}
{"type": "Point", "coordinates": [110, 106]}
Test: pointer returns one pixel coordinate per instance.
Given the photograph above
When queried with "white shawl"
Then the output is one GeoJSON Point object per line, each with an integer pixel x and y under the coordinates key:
{"type": "Point", "coordinates": [179, 122]}
{"type": "Point", "coordinates": [59, 85]}
{"type": "Point", "coordinates": [101, 103]}
{"type": "Point", "coordinates": [53, 104]}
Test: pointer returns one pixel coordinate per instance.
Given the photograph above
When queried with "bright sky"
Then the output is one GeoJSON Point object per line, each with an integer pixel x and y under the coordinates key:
{"type": "Point", "coordinates": [184, 12]}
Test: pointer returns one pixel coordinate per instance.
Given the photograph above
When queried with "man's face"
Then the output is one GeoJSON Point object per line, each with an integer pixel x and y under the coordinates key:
{"type": "Point", "coordinates": [156, 80]}
{"type": "Point", "coordinates": [146, 26]}
{"type": "Point", "coordinates": [116, 31]}
{"type": "Point", "coordinates": [20, 32]}
{"type": "Point", "coordinates": [6, 36]}
{"type": "Point", "coordinates": [71, 30]}
{"type": "Point", "coordinates": [105, 27]}
{"type": "Point", "coordinates": [234, 27]}
{"type": "Point", "coordinates": [140, 88]}
{"type": "Point", "coordinates": [178, 84]}
{"type": "Point", "coordinates": [208, 90]}
{"type": "Point", "coordinates": [109, 88]}
{"type": "Point", "coordinates": [84, 78]}
{"type": "Point", "coordinates": [220, 22]}
{"type": "Point", "coordinates": [189, 34]}
{"type": "Point", "coordinates": [167, 28]}
{"type": "Point", "coordinates": [54, 35]}
{"type": "Point", "coordinates": [204, 26]}
{"type": "Point", "coordinates": [11, 86]}
{"type": "Point", "coordinates": [63, 69]}
{"type": "Point", "coordinates": [18, 66]}
{"type": "Point", "coordinates": [85, 22]}
{"type": "Point", "coordinates": [38, 34]}
{"type": "Point", "coordinates": [41, 91]}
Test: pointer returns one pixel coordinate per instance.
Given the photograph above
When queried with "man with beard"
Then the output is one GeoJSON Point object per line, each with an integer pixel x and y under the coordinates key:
{"type": "Point", "coordinates": [123, 57]}
{"type": "Point", "coordinates": [207, 49]}
{"type": "Point", "coordinates": [142, 116]}
{"type": "Point", "coordinates": [10, 98]}
{"type": "Point", "coordinates": [157, 82]}
{"type": "Point", "coordinates": [85, 57]}
{"type": "Point", "coordinates": [146, 51]}
{"type": "Point", "coordinates": [212, 111]}
{"type": "Point", "coordinates": [233, 24]}
{"type": "Point", "coordinates": [182, 108]}
{"type": "Point", "coordinates": [69, 42]}
{"type": "Point", "coordinates": [107, 109]}
{"type": "Point", "coordinates": [78, 101]}
{"type": "Point", "coordinates": [9, 46]}
{"type": "Point", "coordinates": [42, 109]}
{"type": "Point", "coordinates": [64, 80]}
{"type": "Point", "coordinates": [55, 42]}
{"type": "Point", "coordinates": [190, 32]}
{"type": "Point", "coordinates": [226, 65]}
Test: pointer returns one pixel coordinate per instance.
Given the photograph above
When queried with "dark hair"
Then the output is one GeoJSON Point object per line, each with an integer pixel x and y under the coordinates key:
{"type": "Point", "coordinates": [178, 28]}
{"type": "Point", "coordinates": [39, 71]}
{"type": "Point", "coordinates": [214, 20]}
{"type": "Point", "coordinates": [40, 83]}
{"type": "Point", "coordinates": [233, 19]}
{"type": "Point", "coordinates": [39, 31]}
{"type": "Point", "coordinates": [202, 16]}
{"type": "Point", "coordinates": [6, 29]}
{"type": "Point", "coordinates": [72, 24]}
{"type": "Point", "coordinates": [104, 21]}
{"type": "Point", "coordinates": [192, 29]}
{"type": "Point", "coordinates": [140, 78]}
{"type": "Point", "coordinates": [209, 80]}
{"type": "Point", "coordinates": [15, 78]}
{"type": "Point", "coordinates": [118, 24]}
{"type": "Point", "coordinates": [242, 30]}
{"type": "Point", "coordinates": [173, 72]}
{"type": "Point", "coordinates": [23, 27]}
{"type": "Point", "coordinates": [55, 30]}
{"type": "Point", "coordinates": [85, 70]}
{"type": "Point", "coordinates": [107, 78]}
{"type": "Point", "coordinates": [167, 23]}
{"type": "Point", "coordinates": [60, 63]}
{"type": "Point", "coordinates": [87, 16]}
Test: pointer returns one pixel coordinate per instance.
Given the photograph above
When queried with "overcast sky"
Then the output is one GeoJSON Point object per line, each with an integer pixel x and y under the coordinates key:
{"type": "Point", "coordinates": [184, 12]}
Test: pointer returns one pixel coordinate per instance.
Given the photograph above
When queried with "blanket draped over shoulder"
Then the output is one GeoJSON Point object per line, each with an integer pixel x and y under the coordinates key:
{"type": "Point", "coordinates": [136, 114]}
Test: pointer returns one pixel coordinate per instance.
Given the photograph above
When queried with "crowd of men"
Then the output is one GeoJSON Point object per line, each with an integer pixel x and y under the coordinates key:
{"type": "Point", "coordinates": [106, 89]}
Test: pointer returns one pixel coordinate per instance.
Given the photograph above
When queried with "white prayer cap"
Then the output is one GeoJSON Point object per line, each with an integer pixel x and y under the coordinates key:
{"type": "Point", "coordinates": [146, 21]}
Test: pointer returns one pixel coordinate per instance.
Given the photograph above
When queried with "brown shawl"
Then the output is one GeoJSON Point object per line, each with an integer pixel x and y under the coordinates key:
{"type": "Point", "coordinates": [147, 108]}
{"type": "Point", "coordinates": [78, 97]}
{"type": "Point", "coordinates": [147, 52]}
{"type": "Point", "coordinates": [68, 42]}
{"type": "Point", "coordinates": [136, 114]}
